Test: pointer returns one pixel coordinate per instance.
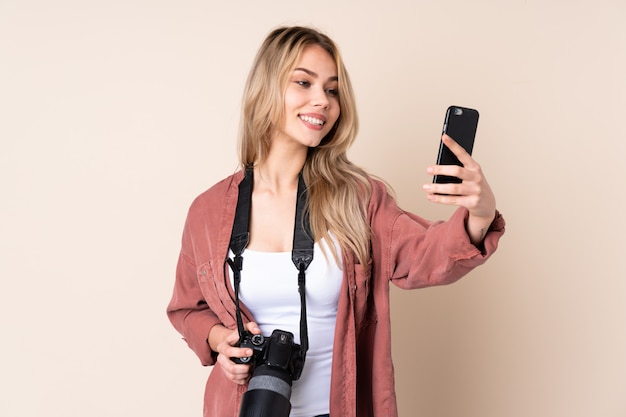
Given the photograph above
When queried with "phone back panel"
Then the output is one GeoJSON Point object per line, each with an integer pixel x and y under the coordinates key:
{"type": "Point", "coordinates": [460, 124]}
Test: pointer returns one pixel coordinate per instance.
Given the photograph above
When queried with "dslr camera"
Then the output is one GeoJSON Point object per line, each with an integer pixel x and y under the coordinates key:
{"type": "Point", "coordinates": [276, 362]}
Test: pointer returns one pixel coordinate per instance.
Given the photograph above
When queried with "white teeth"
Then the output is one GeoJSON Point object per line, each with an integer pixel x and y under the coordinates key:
{"type": "Point", "coordinates": [312, 120]}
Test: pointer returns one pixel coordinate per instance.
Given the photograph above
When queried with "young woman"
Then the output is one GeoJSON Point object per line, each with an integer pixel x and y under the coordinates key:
{"type": "Point", "coordinates": [299, 117]}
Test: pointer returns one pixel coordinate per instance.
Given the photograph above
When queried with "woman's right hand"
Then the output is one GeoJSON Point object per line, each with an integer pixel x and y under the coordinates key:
{"type": "Point", "coordinates": [224, 341]}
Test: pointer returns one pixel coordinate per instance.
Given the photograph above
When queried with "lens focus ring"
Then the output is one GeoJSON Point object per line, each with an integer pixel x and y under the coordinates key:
{"type": "Point", "coordinates": [270, 383]}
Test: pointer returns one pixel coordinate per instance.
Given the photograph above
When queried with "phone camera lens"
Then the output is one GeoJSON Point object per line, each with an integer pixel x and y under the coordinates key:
{"type": "Point", "coordinates": [457, 111]}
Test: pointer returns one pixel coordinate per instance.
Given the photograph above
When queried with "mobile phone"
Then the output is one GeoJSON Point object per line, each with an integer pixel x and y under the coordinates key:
{"type": "Point", "coordinates": [460, 124]}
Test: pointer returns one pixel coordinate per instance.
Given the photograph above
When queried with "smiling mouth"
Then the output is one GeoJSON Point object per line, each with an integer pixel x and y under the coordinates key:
{"type": "Point", "coordinates": [312, 120]}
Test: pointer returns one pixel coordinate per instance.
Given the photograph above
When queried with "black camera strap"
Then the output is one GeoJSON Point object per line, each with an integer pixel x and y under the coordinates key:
{"type": "Point", "coordinates": [301, 254]}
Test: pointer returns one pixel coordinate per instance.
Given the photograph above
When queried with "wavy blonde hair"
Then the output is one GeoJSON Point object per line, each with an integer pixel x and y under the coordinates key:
{"type": "Point", "coordinates": [338, 189]}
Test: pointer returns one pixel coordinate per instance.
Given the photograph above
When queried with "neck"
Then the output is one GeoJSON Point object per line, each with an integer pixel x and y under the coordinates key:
{"type": "Point", "coordinates": [280, 170]}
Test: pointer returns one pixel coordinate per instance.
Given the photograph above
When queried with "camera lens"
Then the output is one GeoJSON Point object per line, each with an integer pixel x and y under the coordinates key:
{"type": "Point", "coordinates": [268, 393]}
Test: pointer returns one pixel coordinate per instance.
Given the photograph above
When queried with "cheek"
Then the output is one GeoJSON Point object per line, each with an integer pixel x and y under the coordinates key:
{"type": "Point", "coordinates": [336, 112]}
{"type": "Point", "coordinates": [292, 100]}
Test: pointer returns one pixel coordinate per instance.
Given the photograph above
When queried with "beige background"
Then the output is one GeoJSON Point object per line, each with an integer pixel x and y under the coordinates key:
{"type": "Point", "coordinates": [114, 115]}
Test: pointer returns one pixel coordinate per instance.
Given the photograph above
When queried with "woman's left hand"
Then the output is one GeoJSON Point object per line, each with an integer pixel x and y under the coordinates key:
{"type": "Point", "coordinates": [472, 193]}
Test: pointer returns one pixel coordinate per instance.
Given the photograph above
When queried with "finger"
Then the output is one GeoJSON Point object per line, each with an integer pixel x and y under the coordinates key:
{"type": "Point", "coordinates": [231, 366]}
{"type": "Point", "coordinates": [449, 170]}
{"type": "Point", "coordinates": [232, 339]}
{"type": "Point", "coordinates": [253, 328]}
{"type": "Point", "coordinates": [444, 189]}
{"type": "Point", "coordinates": [230, 347]}
{"type": "Point", "coordinates": [238, 373]}
{"type": "Point", "coordinates": [448, 199]}
{"type": "Point", "coordinates": [442, 198]}
{"type": "Point", "coordinates": [457, 150]}
{"type": "Point", "coordinates": [237, 352]}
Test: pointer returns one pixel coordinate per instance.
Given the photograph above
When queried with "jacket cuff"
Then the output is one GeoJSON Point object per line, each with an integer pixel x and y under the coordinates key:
{"type": "Point", "coordinates": [197, 338]}
{"type": "Point", "coordinates": [490, 242]}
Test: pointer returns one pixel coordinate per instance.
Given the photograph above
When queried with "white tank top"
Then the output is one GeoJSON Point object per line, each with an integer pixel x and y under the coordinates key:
{"type": "Point", "coordinates": [269, 288]}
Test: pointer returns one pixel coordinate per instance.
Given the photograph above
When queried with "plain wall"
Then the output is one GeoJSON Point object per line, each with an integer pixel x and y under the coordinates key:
{"type": "Point", "coordinates": [114, 115]}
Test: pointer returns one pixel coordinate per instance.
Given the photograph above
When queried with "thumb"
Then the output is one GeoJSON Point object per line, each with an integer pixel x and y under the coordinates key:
{"type": "Point", "coordinates": [253, 328]}
{"type": "Point", "coordinates": [232, 338]}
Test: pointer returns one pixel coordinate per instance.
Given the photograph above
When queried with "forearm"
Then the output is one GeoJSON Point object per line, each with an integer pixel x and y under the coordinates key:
{"type": "Point", "coordinates": [441, 255]}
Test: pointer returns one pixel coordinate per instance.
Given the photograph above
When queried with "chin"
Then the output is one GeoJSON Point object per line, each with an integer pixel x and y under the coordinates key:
{"type": "Point", "coordinates": [313, 144]}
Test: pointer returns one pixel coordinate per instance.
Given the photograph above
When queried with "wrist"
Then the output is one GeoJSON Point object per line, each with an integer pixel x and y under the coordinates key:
{"type": "Point", "coordinates": [478, 226]}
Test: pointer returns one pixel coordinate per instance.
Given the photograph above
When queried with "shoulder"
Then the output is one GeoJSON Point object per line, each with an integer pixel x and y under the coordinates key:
{"type": "Point", "coordinates": [379, 186]}
{"type": "Point", "coordinates": [382, 208]}
{"type": "Point", "coordinates": [218, 190]}
{"type": "Point", "coordinates": [380, 193]}
{"type": "Point", "coordinates": [217, 195]}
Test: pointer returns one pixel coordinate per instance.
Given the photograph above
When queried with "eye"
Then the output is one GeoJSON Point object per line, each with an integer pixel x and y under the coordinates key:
{"type": "Point", "coordinates": [303, 83]}
{"type": "Point", "coordinates": [332, 92]}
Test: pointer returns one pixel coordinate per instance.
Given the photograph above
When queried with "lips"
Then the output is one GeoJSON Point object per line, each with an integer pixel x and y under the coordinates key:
{"type": "Point", "coordinates": [313, 119]}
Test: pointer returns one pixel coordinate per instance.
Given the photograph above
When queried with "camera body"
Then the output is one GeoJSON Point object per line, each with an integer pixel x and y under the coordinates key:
{"type": "Point", "coordinates": [279, 351]}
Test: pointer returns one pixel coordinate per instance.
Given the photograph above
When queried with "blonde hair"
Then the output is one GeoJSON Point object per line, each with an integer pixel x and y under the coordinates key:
{"type": "Point", "coordinates": [338, 189]}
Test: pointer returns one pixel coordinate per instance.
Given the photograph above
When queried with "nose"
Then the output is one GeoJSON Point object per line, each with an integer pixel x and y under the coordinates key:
{"type": "Point", "coordinates": [320, 98]}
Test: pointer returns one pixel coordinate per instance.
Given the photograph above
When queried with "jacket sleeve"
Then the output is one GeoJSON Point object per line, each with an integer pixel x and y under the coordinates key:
{"type": "Point", "coordinates": [416, 253]}
{"type": "Point", "coordinates": [188, 310]}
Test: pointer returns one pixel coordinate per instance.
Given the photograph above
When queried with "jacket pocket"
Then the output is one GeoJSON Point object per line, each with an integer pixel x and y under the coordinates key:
{"type": "Point", "coordinates": [205, 277]}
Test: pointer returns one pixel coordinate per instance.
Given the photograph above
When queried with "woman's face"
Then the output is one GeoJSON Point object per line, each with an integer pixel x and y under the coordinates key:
{"type": "Point", "coordinates": [311, 99]}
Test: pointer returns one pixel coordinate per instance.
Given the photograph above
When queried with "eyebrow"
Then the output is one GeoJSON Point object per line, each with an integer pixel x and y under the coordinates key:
{"type": "Point", "coordinates": [314, 75]}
